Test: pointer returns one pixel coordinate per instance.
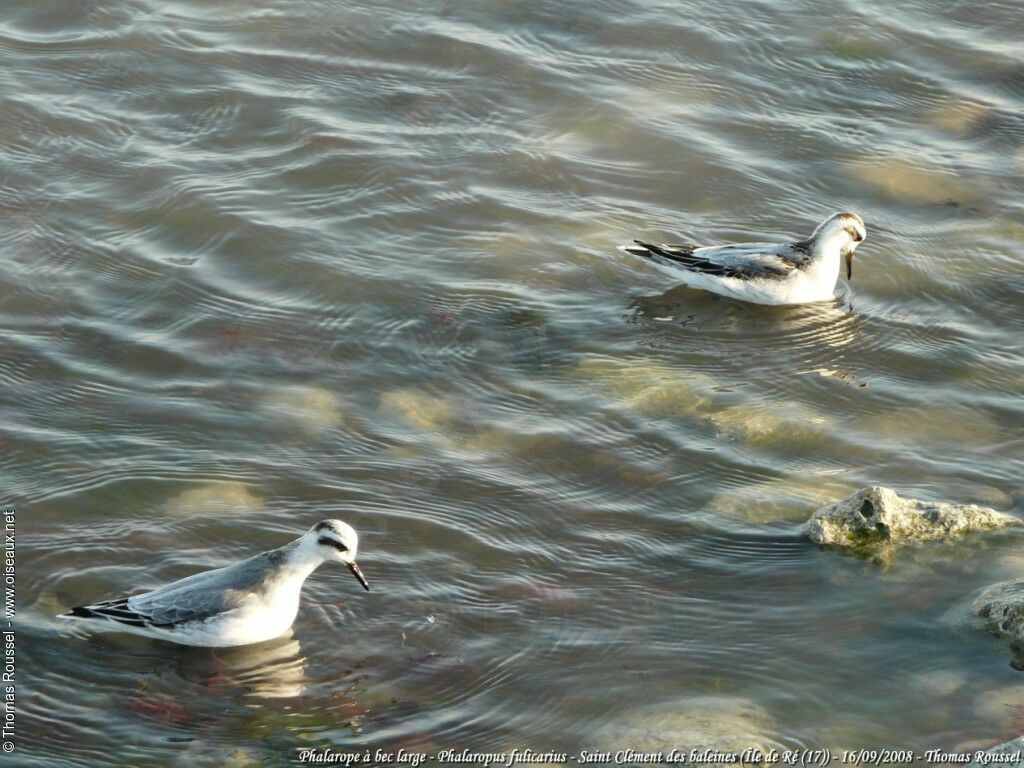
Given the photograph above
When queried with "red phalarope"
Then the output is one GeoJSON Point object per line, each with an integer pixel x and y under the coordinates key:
{"type": "Point", "coordinates": [248, 602]}
{"type": "Point", "coordinates": [765, 273]}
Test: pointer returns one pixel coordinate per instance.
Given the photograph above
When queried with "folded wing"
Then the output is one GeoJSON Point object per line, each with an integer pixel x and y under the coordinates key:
{"type": "Point", "coordinates": [745, 262]}
{"type": "Point", "coordinates": [192, 599]}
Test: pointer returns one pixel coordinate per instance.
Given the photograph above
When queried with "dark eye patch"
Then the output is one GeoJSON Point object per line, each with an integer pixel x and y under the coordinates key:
{"type": "Point", "coordinates": [854, 234]}
{"type": "Point", "coordinates": [332, 543]}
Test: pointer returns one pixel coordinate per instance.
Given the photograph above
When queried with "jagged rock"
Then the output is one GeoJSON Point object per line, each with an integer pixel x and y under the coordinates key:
{"type": "Point", "coordinates": [1001, 607]}
{"type": "Point", "coordinates": [878, 516]}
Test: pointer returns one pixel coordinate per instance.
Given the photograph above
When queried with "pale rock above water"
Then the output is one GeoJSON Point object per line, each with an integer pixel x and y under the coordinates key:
{"type": "Point", "coordinates": [877, 515]}
{"type": "Point", "coordinates": [1001, 607]}
{"type": "Point", "coordinates": [728, 724]}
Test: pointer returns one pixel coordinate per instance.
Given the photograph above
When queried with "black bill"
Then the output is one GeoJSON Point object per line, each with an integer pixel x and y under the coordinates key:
{"type": "Point", "coordinates": [848, 257]}
{"type": "Point", "coordinates": [357, 572]}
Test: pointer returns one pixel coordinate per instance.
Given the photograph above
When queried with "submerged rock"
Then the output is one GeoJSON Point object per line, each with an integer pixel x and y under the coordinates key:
{"type": "Point", "coordinates": [311, 409]}
{"type": "Point", "coordinates": [1001, 607]}
{"type": "Point", "coordinates": [909, 183]}
{"type": "Point", "coordinates": [729, 724]}
{"type": "Point", "coordinates": [421, 410]}
{"type": "Point", "coordinates": [939, 683]}
{"type": "Point", "coordinates": [851, 46]}
{"type": "Point", "coordinates": [927, 427]}
{"type": "Point", "coordinates": [780, 499]}
{"type": "Point", "coordinates": [650, 388]}
{"type": "Point", "coordinates": [876, 515]}
{"type": "Point", "coordinates": [1001, 708]}
{"type": "Point", "coordinates": [225, 496]}
{"type": "Point", "coordinates": [646, 386]}
{"type": "Point", "coordinates": [957, 116]}
{"type": "Point", "coordinates": [200, 754]}
{"type": "Point", "coordinates": [780, 423]}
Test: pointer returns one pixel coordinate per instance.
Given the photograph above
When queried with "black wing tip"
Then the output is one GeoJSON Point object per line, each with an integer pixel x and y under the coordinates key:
{"type": "Point", "coordinates": [81, 612]}
{"type": "Point", "coordinates": [685, 256]}
{"type": "Point", "coordinates": [108, 612]}
{"type": "Point", "coordinates": [646, 250]}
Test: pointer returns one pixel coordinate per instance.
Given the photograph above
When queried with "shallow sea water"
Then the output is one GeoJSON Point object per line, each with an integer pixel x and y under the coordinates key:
{"type": "Point", "coordinates": [270, 262]}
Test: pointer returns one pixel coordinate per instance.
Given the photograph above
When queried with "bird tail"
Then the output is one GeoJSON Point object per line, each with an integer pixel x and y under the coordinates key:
{"type": "Point", "coordinates": [638, 248]}
{"type": "Point", "coordinates": [116, 611]}
{"type": "Point", "coordinates": [80, 612]}
{"type": "Point", "coordinates": [659, 254]}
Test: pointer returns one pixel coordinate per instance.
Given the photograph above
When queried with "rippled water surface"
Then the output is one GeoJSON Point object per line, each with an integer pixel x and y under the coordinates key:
{"type": "Point", "coordinates": [270, 262]}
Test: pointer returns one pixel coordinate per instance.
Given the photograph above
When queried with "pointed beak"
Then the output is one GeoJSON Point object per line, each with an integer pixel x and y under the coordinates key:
{"type": "Point", "coordinates": [357, 572]}
{"type": "Point", "coordinates": [848, 257]}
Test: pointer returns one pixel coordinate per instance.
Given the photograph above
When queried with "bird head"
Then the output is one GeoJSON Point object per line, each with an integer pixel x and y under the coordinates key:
{"type": "Point", "coordinates": [845, 229]}
{"type": "Point", "coordinates": [337, 542]}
